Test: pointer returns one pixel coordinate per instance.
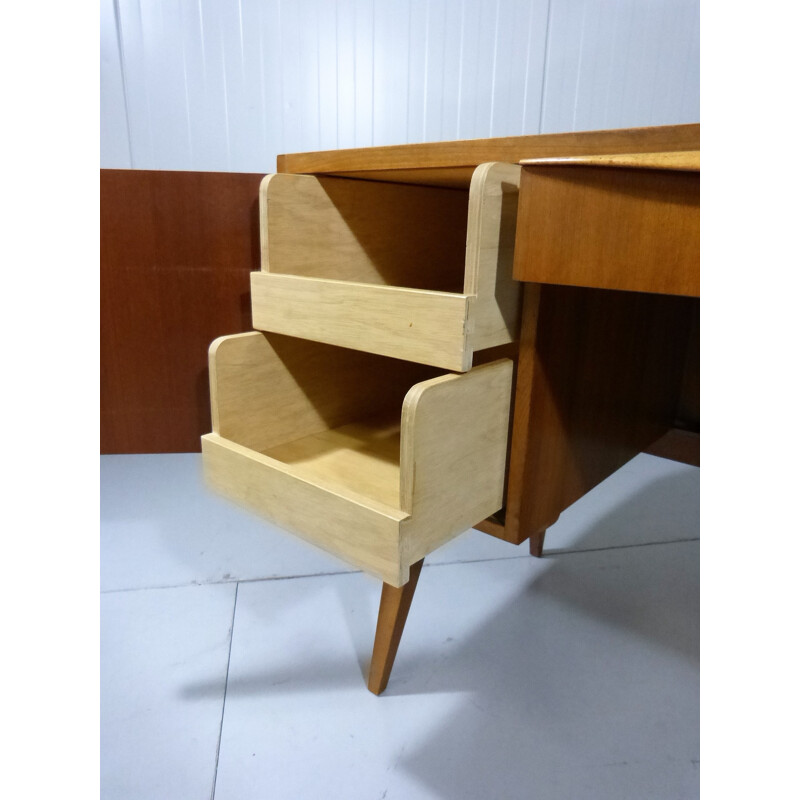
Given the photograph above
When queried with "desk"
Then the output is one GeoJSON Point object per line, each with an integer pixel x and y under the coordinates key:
{"type": "Point", "coordinates": [609, 250]}
{"type": "Point", "coordinates": [607, 243]}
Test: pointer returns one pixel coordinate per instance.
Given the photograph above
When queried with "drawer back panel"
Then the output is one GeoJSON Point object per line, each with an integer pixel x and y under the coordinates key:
{"type": "Point", "coordinates": [268, 389]}
{"type": "Point", "coordinates": [364, 231]}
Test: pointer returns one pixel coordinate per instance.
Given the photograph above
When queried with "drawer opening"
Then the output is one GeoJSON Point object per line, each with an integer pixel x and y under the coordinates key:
{"type": "Point", "coordinates": [330, 415]}
{"type": "Point", "coordinates": [363, 457]}
{"type": "Point", "coordinates": [390, 234]}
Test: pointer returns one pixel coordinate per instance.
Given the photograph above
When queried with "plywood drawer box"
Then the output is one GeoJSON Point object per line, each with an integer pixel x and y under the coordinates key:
{"type": "Point", "coordinates": [418, 273]}
{"type": "Point", "coordinates": [375, 460]}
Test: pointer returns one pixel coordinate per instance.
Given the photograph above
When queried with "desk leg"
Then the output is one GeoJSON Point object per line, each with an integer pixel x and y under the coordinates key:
{"type": "Point", "coordinates": [395, 604]}
{"type": "Point", "coordinates": [537, 543]}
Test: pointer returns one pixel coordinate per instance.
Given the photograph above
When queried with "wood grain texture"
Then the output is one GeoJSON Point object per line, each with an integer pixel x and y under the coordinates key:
{"type": "Point", "coordinates": [620, 228]}
{"type": "Point", "coordinates": [453, 442]}
{"type": "Point", "coordinates": [489, 261]}
{"type": "Point", "coordinates": [345, 523]}
{"type": "Point", "coordinates": [678, 445]}
{"type": "Point", "coordinates": [432, 162]}
{"type": "Point", "coordinates": [268, 389]}
{"type": "Point", "coordinates": [445, 177]}
{"type": "Point", "coordinates": [353, 263]}
{"type": "Point", "coordinates": [682, 160]}
{"type": "Point", "coordinates": [415, 325]}
{"type": "Point", "coordinates": [598, 381]}
{"type": "Point", "coordinates": [523, 421]}
{"type": "Point", "coordinates": [366, 232]}
{"type": "Point", "coordinates": [363, 454]}
{"type": "Point", "coordinates": [358, 454]}
{"type": "Point", "coordinates": [176, 252]}
{"type": "Point", "coordinates": [392, 615]}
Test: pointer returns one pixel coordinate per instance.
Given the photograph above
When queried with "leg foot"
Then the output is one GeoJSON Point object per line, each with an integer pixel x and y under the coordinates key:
{"type": "Point", "coordinates": [537, 543]}
{"type": "Point", "coordinates": [392, 615]}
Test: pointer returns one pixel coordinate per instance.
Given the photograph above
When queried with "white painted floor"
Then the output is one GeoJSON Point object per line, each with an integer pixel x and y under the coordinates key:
{"type": "Point", "coordinates": [233, 655]}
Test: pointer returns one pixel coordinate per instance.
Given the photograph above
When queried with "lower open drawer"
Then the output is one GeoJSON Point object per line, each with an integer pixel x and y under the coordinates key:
{"type": "Point", "coordinates": [375, 460]}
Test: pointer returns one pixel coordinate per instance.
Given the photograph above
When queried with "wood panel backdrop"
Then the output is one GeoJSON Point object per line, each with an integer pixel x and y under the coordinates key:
{"type": "Point", "coordinates": [176, 252]}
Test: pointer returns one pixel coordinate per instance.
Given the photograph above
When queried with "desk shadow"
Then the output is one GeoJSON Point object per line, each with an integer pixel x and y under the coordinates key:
{"type": "Point", "coordinates": [581, 683]}
{"type": "Point", "coordinates": [585, 684]}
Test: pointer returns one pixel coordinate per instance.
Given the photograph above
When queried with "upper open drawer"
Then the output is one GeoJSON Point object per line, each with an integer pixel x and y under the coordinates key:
{"type": "Point", "coordinates": [418, 273]}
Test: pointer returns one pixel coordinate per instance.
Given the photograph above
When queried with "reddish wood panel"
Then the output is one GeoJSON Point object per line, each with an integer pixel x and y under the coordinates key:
{"type": "Point", "coordinates": [176, 252]}
{"type": "Point", "coordinates": [611, 228]}
{"type": "Point", "coordinates": [678, 445]}
{"type": "Point", "coordinates": [599, 378]}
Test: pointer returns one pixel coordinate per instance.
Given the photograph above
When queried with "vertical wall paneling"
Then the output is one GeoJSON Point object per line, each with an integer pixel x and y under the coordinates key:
{"type": "Point", "coordinates": [448, 84]}
{"type": "Point", "coordinates": [242, 56]}
{"type": "Point", "coordinates": [390, 68]}
{"type": "Point", "coordinates": [167, 80]}
{"type": "Point", "coordinates": [345, 71]}
{"type": "Point", "coordinates": [328, 46]}
{"type": "Point", "coordinates": [267, 19]}
{"type": "Point", "coordinates": [417, 70]}
{"type": "Point", "coordinates": [114, 142]}
{"type": "Point", "coordinates": [468, 69]}
{"type": "Point", "coordinates": [536, 28]}
{"type": "Point", "coordinates": [290, 75]}
{"type": "Point", "coordinates": [436, 67]}
{"type": "Point", "coordinates": [206, 89]}
{"type": "Point", "coordinates": [364, 72]}
{"type": "Point", "coordinates": [227, 85]}
{"type": "Point", "coordinates": [307, 87]}
{"type": "Point", "coordinates": [508, 80]}
{"type": "Point", "coordinates": [620, 64]}
{"type": "Point", "coordinates": [136, 79]}
{"type": "Point", "coordinates": [205, 145]}
{"type": "Point", "coordinates": [486, 57]}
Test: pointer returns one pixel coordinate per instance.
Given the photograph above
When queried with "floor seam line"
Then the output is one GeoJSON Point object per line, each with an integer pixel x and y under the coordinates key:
{"type": "Point", "coordinates": [618, 547]}
{"type": "Point", "coordinates": [554, 552]}
{"type": "Point", "coordinates": [225, 693]}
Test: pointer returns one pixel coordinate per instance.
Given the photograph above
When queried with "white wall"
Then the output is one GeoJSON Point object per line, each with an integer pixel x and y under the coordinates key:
{"type": "Point", "coordinates": [227, 85]}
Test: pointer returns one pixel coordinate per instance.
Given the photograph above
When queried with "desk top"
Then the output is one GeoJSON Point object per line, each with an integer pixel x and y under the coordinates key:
{"type": "Point", "coordinates": [681, 160]}
{"type": "Point", "coordinates": [452, 163]}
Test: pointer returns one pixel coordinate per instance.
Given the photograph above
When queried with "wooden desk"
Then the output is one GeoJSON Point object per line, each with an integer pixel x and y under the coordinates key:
{"type": "Point", "coordinates": [610, 250]}
{"type": "Point", "coordinates": [607, 358]}
{"type": "Point", "coordinates": [607, 242]}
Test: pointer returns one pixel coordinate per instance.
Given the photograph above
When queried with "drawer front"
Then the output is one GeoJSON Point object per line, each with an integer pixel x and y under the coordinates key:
{"type": "Point", "coordinates": [409, 324]}
{"type": "Point", "coordinates": [366, 537]}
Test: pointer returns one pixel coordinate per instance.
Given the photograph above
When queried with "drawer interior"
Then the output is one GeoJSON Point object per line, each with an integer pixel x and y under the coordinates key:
{"type": "Point", "coordinates": [363, 456]}
{"type": "Point", "coordinates": [330, 414]}
{"type": "Point", "coordinates": [365, 231]}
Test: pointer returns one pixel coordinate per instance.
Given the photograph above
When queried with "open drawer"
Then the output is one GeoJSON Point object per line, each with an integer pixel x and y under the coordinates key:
{"type": "Point", "coordinates": [419, 273]}
{"type": "Point", "coordinates": [375, 460]}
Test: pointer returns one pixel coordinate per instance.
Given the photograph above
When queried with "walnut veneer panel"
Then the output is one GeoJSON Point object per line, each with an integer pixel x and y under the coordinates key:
{"type": "Point", "coordinates": [610, 228]}
{"type": "Point", "coordinates": [599, 379]}
{"type": "Point", "coordinates": [176, 252]}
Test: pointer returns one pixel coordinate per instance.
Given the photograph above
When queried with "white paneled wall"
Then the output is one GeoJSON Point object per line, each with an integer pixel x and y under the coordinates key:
{"type": "Point", "coordinates": [114, 140]}
{"type": "Point", "coordinates": [223, 85]}
{"type": "Point", "coordinates": [621, 63]}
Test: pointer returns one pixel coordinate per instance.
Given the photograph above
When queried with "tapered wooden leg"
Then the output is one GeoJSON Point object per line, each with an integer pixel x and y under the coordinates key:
{"type": "Point", "coordinates": [392, 615]}
{"type": "Point", "coordinates": [537, 543]}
